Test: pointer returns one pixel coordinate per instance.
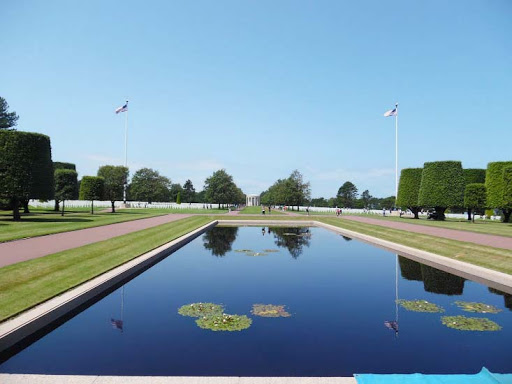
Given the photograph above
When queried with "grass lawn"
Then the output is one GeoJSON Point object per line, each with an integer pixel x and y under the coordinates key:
{"type": "Point", "coordinates": [481, 226]}
{"type": "Point", "coordinates": [257, 210]}
{"type": "Point", "coordinates": [26, 284]}
{"type": "Point", "coordinates": [45, 221]}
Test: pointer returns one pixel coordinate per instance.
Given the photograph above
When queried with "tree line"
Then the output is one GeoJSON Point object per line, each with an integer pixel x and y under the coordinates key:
{"type": "Point", "coordinates": [28, 172]}
{"type": "Point", "coordinates": [445, 184]}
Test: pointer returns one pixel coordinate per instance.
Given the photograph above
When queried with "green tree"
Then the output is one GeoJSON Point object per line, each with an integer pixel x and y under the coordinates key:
{"type": "Point", "coordinates": [220, 188]}
{"type": "Point", "coordinates": [442, 186]}
{"type": "Point", "coordinates": [115, 178]}
{"type": "Point", "coordinates": [92, 188]}
{"type": "Point", "coordinates": [174, 191]}
{"type": "Point", "coordinates": [473, 176]}
{"type": "Point", "coordinates": [319, 202]}
{"type": "Point", "coordinates": [298, 192]}
{"type": "Point", "coordinates": [60, 165]}
{"type": "Point", "coordinates": [26, 170]}
{"type": "Point", "coordinates": [347, 195]}
{"type": "Point", "coordinates": [8, 120]}
{"type": "Point", "coordinates": [409, 189]}
{"type": "Point", "coordinates": [495, 185]}
{"type": "Point", "coordinates": [189, 192]}
{"type": "Point", "coordinates": [475, 197]}
{"type": "Point", "coordinates": [148, 185]}
{"type": "Point", "coordinates": [275, 195]}
{"type": "Point", "coordinates": [366, 198]}
{"type": "Point", "coordinates": [178, 198]}
{"type": "Point", "coordinates": [66, 185]}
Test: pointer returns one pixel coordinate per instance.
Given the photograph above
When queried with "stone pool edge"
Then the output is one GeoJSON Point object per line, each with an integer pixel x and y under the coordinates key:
{"type": "Point", "coordinates": [51, 379]}
{"type": "Point", "coordinates": [29, 322]}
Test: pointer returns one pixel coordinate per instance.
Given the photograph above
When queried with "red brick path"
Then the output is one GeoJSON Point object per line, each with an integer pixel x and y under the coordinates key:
{"type": "Point", "coordinates": [21, 250]}
{"type": "Point", "coordinates": [470, 237]}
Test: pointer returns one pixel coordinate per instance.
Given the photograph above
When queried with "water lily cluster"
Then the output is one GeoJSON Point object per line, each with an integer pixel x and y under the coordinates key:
{"type": "Point", "coordinates": [200, 309]}
{"type": "Point", "coordinates": [269, 310]}
{"type": "Point", "coordinates": [224, 322]}
{"type": "Point", "coordinates": [250, 252]}
{"type": "Point", "coordinates": [463, 323]}
{"type": "Point", "coordinates": [420, 306]}
{"type": "Point", "coordinates": [477, 307]}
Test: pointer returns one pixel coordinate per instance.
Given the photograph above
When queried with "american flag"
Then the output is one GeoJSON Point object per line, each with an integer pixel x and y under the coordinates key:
{"type": "Point", "coordinates": [124, 108]}
{"type": "Point", "coordinates": [391, 112]}
{"type": "Point", "coordinates": [391, 325]}
{"type": "Point", "coordinates": [117, 324]}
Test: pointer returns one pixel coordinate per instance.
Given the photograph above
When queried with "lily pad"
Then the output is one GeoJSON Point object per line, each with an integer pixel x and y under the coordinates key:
{"type": "Point", "coordinates": [269, 310]}
{"type": "Point", "coordinates": [477, 307]}
{"type": "Point", "coordinates": [270, 250]}
{"type": "Point", "coordinates": [244, 250]}
{"type": "Point", "coordinates": [463, 323]}
{"type": "Point", "coordinates": [420, 306]}
{"type": "Point", "coordinates": [250, 252]}
{"type": "Point", "coordinates": [224, 322]}
{"type": "Point", "coordinates": [200, 309]}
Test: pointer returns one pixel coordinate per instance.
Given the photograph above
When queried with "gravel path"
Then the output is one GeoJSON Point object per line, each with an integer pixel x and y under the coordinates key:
{"type": "Point", "coordinates": [470, 237]}
{"type": "Point", "coordinates": [21, 250]}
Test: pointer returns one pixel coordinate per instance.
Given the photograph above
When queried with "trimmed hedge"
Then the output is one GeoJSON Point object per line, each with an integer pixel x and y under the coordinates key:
{"type": "Point", "coordinates": [474, 175]}
{"type": "Point", "coordinates": [26, 168]}
{"type": "Point", "coordinates": [475, 197]}
{"type": "Point", "coordinates": [507, 187]}
{"type": "Point", "coordinates": [61, 165]}
{"type": "Point", "coordinates": [442, 186]}
{"type": "Point", "coordinates": [495, 187]}
{"type": "Point", "coordinates": [92, 188]}
{"type": "Point", "coordinates": [409, 188]}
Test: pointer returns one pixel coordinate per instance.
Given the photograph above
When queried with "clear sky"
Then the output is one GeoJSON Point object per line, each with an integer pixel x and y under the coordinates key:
{"type": "Point", "coordinates": [261, 88]}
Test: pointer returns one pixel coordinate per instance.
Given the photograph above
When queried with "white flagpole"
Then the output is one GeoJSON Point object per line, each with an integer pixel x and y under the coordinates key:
{"type": "Point", "coordinates": [396, 153]}
{"type": "Point", "coordinates": [125, 150]}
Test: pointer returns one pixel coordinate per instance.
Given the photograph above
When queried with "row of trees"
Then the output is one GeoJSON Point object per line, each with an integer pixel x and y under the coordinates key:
{"type": "Point", "coordinates": [445, 184]}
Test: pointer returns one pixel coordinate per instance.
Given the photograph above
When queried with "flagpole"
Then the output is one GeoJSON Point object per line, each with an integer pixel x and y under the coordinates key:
{"type": "Point", "coordinates": [396, 152]}
{"type": "Point", "coordinates": [396, 294]}
{"type": "Point", "coordinates": [125, 151]}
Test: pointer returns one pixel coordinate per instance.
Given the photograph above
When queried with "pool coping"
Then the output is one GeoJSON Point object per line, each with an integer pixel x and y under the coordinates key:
{"type": "Point", "coordinates": [28, 323]}
{"type": "Point", "coordinates": [51, 379]}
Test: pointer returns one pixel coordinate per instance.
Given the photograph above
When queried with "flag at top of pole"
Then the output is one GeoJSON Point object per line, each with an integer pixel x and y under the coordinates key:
{"type": "Point", "coordinates": [391, 112]}
{"type": "Point", "coordinates": [124, 108]}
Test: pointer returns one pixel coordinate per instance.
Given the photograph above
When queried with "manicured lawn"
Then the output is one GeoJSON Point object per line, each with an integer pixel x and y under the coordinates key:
{"type": "Point", "coordinates": [26, 284]}
{"type": "Point", "coordinates": [480, 226]}
{"type": "Point", "coordinates": [44, 221]}
{"type": "Point", "coordinates": [257, 210]}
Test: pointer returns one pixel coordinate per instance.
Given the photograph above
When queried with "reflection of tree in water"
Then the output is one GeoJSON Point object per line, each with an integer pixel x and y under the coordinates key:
{"type": "Point", "coordinates": [507, 298]}
{"type": "Point", "coordinates": [437, 281]}
{"type": "Point", "coordinates": [219, 240]}
{"type": "Point", "coordinates": [346, 238]}
{"type": "Point", "coordinates": [410, 269]}
{"type": "Point", "coordinates": [434, 280]}
{"type": "Point", "coordinates": [294, 239]}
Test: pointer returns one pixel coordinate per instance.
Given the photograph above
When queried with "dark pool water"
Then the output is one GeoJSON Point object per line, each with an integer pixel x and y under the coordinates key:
{"type": "Point", "coordinates": [340, 293]}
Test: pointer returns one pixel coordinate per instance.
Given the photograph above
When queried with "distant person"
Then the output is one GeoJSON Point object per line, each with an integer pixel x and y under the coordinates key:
{"type": "Point", "coordinates": [383, 211]}
{"type": "Point", "coordinates": [307, 210]}
{"type": "Point", "coordinates": [269, 209]}
{"type": "Point", "coordinates": [263, 231]}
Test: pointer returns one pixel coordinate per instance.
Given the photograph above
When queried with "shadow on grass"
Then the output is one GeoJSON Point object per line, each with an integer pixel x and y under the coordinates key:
{"type": "Point", "coordinates": [25, 219]}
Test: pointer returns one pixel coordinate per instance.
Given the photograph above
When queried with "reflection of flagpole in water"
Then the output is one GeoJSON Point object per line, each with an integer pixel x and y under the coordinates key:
{"type": "Point", "coordinates": [118, 324]}
{"type": "Point", "coordinates": [394, 324]}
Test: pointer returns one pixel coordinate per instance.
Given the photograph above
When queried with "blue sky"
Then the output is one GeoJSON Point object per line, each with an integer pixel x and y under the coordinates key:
{"type": "Point", "coordinates": [261, 88]}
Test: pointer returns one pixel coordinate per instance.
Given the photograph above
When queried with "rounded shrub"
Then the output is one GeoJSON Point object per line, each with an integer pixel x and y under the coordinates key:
{"type": "Point", "coordinates": [442, 186]}
{"type": "Point", "coordinates": [475, 197]}
{"type": "Point", "coordinates": [409, 188]}
{"type": "Point", "coordinates": [92, 188]}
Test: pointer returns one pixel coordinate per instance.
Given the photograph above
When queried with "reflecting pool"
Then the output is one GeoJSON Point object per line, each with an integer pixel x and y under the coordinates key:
{"type": "Point", "coordinates": [309, 303]}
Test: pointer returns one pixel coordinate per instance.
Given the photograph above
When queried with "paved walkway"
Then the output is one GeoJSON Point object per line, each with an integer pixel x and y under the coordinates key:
{"type": "Point", "coordinates": [470, 237]}
{"type": "Point", "coordinates": [13, 252]}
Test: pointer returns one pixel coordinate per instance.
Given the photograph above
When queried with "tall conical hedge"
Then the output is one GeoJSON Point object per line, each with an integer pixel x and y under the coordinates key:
{"type": "Point", "coordinates": [495, 187]}
{"type": "Point", "coordinates": [409, 188]}
{"type": "Point", "coordinates": [442, 186]}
